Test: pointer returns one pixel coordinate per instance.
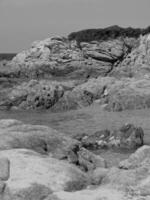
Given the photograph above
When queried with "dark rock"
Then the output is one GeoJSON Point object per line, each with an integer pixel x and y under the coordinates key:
{"type": "Point", "coordinates": [127, 137]}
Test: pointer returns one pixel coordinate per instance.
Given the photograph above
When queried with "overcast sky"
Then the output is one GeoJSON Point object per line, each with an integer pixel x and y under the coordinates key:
{"type": "Point", "coordinates": [23, 21]}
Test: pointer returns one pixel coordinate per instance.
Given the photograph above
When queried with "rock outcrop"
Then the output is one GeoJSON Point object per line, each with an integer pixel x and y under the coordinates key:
{"type": "Point", "coordinates": [85, 94]}
{"type": "Point", "coordinates": [129, 94]}
{"type": "Point", "coordinates": [109, 70]}
{"type": "Point", "coordinates": [56, 57]}
{"type": "Point", "coordinates": [37, 162]}
{"type": "Point", "coordinates": [130, 180]}
{"type": "Point", "coordinates": [34, 95]}
{"type": "Point", "coordinates": [46, 141]}
{"type": "Point", "coordinates": [33, 176]}
{"type": "Point", "coordinates": [132, 174]}
{"type": "Point", "coordinates": [59, 57]}
{"type": "Point", "coordinates": [127, 137]}
{"type": "Point", "coordinates": [137, 62]}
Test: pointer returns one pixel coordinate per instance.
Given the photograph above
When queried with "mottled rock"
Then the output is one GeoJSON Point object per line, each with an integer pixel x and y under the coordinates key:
{"type": "Point", "coordinates": [34, 192]}
{"type": "Point", "coordinates": [129, 94]}
{"type": "Point", "coordinates": [30, 170]}
{"type": "Point", "coordinates": [84, 94]}
{"type": "Point", "coordinates": [136, 63]}
{"type": "Point", "coordinates": [132, 175]}
{"type": "Point", "coordinates": [88, 161]}
{"type": "Point", "coordinates": [33, 95]}
{"type": "Point", "coordinates": [99, 193]}
{"type": "Point", "coordinates": [4, 169]}
{"type": "Point", "coordinates": [42, 139]}
{"type": "Point", "coordinates": [108, 51]}
{"type": "Point", "coordinates": [97, 175]}
{"type": "Point", "coordinates": [136, 159]}
{"type": "Point", "coordinates": [58, 57]}
{"type": "Point", "coordinates": [127, 137]}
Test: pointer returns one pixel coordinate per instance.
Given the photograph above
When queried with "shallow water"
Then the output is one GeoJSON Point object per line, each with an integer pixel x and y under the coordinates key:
{"type": "Point", "coordinates": [86, 120]}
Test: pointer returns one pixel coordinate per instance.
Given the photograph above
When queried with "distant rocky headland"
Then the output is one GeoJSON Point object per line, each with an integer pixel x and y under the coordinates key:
{"type": "Point", "coordinates": [109, 66]}
{"type": "Point", "coordinates": [7, 56]}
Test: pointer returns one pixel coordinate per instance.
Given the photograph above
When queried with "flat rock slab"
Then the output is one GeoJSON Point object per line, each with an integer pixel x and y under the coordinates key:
{"type": "Point", "coordinates": [94, 194]}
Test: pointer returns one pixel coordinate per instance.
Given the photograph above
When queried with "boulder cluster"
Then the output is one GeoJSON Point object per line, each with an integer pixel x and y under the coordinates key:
{"type": "Point", "coordinates": [40, 163]}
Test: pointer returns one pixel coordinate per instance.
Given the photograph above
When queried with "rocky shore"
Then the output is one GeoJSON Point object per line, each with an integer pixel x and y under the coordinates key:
{"type": "Point", "coordinates": [107, 67]}
{"type": "Point", "coordinates": [37, 162]}
{"type": "Point", "coordinates": [62, 74]}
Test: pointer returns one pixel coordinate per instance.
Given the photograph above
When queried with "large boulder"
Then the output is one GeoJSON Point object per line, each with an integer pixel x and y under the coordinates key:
{"type": "Point", "coordinates": [33, 176]}
{"type": "Point", "coordinates": [129, 94]}
{"type": "Point", "coordinates": [136, 63]}
{"type": "Point", "coordinates": [45, 140]}
{"type": "Point", "coordinates": [137, 159]}
{"type": "Point", "coordinates": [132, 175]}
{"type": "Point", "coordinates": [33, 95]}
{"type": "Point", "coordinates": [42, 139]}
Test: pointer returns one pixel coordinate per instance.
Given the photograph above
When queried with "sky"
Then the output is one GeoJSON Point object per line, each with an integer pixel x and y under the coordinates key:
{"type": "Point", "coordinates": [24, 21]}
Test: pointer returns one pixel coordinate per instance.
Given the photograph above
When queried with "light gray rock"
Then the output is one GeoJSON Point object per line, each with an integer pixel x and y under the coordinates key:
{"type": "Point", "coordinates": [4, 169]}
{"type": "Point", "coordinates": [42, 139]}
{"type": "Point", "coordinates": [35, 176]}
{"type": "Point", "coordinates": [89, 161]}
{"type": "Point", "coordinates": [97, 175]}
{"type": "Point", "coordinates": [132, 175]}
{"type": "Point", "coordinates": [129, 94]}
{"type": "Point", "coordinates": [136, 159]}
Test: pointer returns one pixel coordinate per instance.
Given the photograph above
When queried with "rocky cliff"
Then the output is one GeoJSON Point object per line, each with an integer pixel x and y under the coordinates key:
{"type": "Point", "coordinates": [68, 73]}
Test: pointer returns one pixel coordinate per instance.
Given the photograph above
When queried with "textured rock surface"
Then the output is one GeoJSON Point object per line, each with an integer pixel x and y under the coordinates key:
{"type": "Point", "coordinates": [84, 94]}
{"type": "Point", "coordinates": [4, 169]}
{"type": "Point", "coordinates": [129, 94]}
{"type": "Point", "coordinates": [127, 137]}
{"type": "Point", "coordinates": [117, 95]}
{"type": "Point", "coordinates": [34, 95]}
{"type": "Point", "coordinates": [90, 194]}
{"type": "Point", "coordinates": [108, 51]}
{"type": "Point", "coordinates": [137, 63]}
{"type": "Point", "coordinates": [59, 58]}
{"type": "Point", "coordinates": [136, 160]}
{"type": "Point", "coordinates": [97, 175]}
{"type": "Point", "coordinates": [132, 174]}
{"type": "Point", "coordinates": [33, 175]}
{"type": "Point", "coordinates": [42, 163]}
{"type": "Point", "coordinates": [44, 140]}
